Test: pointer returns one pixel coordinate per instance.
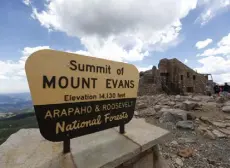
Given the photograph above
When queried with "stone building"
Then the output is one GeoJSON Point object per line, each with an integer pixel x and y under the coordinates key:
{"type": "Point", "coordinates": [174, 77]}
{"type": "Point", "coordinates": [177, 77]}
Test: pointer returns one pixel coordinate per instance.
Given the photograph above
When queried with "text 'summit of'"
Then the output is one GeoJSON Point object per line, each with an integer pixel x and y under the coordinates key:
{"type": "Point", "coordinates": [80, 82]}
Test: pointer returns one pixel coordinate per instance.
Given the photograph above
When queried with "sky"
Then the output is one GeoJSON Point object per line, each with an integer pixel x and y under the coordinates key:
{"type": "Point", "coordinates": [197, 32]}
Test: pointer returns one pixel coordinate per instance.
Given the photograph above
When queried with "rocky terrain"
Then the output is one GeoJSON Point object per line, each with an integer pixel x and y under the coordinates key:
{"type": "Point", "coordinates": [199, 125]}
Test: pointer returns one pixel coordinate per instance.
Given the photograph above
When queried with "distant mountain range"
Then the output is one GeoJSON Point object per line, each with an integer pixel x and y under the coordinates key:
{"type": "Point", "coordinates": [15, 101]}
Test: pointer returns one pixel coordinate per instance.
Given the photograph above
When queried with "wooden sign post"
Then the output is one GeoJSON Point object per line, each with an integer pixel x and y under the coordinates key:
{"type": "Point", "coordinates": [75, 95]}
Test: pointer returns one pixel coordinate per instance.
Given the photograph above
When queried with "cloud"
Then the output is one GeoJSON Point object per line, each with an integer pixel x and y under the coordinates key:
{"type": "Point", "coordinates": [218, 66]}
{"type": "Point", "coordinates": [222, 48]}
{"type": "Point", "coordinates": [118, 30]}
{"type": "Point", "coordinates": [186, 61]}
{"type": "Point", "coordinates": [144, 68]}
{"type": "Point", "coordinates": [13, 85]}
{"type": "Point", "coordinates": [217, 61]}
{"type": "Point", "coordinates": [203, 44]}
{"type": "Point", "coordinates": [211, 9]}
{"type": "Point", "coordinates": [26, 2]}
{"type": "Point", "coordinates": [12, 74]}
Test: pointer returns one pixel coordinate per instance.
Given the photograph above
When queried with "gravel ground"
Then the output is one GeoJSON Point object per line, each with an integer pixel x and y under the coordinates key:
{"type": "Point", "coordinates": [207, 153]}
{"type": "Point", "coordinates": [203, 145]}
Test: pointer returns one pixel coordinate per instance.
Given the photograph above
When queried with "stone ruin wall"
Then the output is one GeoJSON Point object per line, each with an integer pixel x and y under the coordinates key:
{"type": "Point", "coordinates": [149, 83]}
{"type": "Point", "coordinates": [174, 75]}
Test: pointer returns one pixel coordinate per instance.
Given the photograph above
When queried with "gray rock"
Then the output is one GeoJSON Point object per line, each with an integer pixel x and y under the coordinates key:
{"type": "Point", "coordinates": [165, 106]}
{"type": "Point", "coordinates": [225, 131]}
{"type": "Point", "coordinates": [178, 105]}
{"type": "Point", "coordinates": [227, 103]}
{"type": "Point", "coordinates": [209, 134]}
{"type": "Point", "coordinates": [205, 120]}
{"type": "Point", "coordinates": [185, 125]}
{"type": "Point", "coordinates": [196, 99]}
{"type": "Point", "coordinates": [167, 117]}
{"type": "Point", "coordinates": [173, 115]}
{"type": "Point", "coordinates": [171, 103]}
{"type": "Point", "coordinates": [174, 143]}
{"type": "Point", "coordinates": [157, 108]}
{"type": "Point", "coordinates": [227, 117]}
{"type": "Point", "coordinates": [147, 112]}
{"type": "Point", "coordinates": [177, 97]}
{"type": "Point", "coordinates": [211, 99]}
{"type": "Point", "coordinates": [219, 105]}
{"type": "Point", "coordinates": [220, 99]}
{"type": "Point", "coordinates": [136, 113]}
{"type": "Point", "coordinates": [165, 102]}
{"type": "Point", "coordinates": [219, 124]}
{"type": "Point", "coordinates": [189, 105]}
{"type": "Point", "coordinates": [186, 140]}
{"type": "Point", "coordinates": [179, 162]}
{"type": "Point", "coordinates": [202, 129]}
{"type": "Point", "coordinates": [226, 109]}
{"type": "Point", "coordinates": [141, 105]}
{"type": "Point", "coordinates": [219, 134]}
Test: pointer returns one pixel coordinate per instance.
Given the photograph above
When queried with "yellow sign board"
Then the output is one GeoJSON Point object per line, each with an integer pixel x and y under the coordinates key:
{"type": "Point", "coordinates": [74, 95]}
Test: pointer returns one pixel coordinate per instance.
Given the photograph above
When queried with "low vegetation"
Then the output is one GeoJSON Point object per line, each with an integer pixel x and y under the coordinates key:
{"type": "Point", "coordinates": [11, 125]}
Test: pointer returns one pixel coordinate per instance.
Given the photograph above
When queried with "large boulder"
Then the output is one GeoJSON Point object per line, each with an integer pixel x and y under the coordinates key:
{"type": "Point", "coordinates": [174, 115]}
{"type": "Point", "coordinates": [189, 105]}
{"type": "Point", "coordinates": [226, 109]}
{"type": "Point", "coordinates": [227, 103]}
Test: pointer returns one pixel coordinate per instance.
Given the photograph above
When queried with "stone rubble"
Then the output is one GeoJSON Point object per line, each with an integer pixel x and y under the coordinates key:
{"type": "Point", "coordinates": [200, 125]}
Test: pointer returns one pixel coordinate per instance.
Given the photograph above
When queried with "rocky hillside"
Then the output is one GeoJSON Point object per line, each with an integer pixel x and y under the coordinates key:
{"type": "Point", "coordinates": [199, 125]}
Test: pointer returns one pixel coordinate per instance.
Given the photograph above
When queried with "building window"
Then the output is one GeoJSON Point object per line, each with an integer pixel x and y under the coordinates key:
{"type": "Point", "coordinates": [181, 77]}
{"type": "Point", "coordinates": [188, 74]}
{"type": "Point", "coordinates": [189, 89]}
{"type": "Point", "coordinates": [194, 77]}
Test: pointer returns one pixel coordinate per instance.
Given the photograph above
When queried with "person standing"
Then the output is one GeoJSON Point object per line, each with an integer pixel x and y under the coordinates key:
{"type": "Point", "coordinates": [216, 89]}
{"type": "Point", "coordinates": [225, 89]}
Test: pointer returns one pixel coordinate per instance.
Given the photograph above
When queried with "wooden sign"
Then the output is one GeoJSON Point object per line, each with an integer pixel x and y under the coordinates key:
{"type": "Point", "coordinates": [75, 95]}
